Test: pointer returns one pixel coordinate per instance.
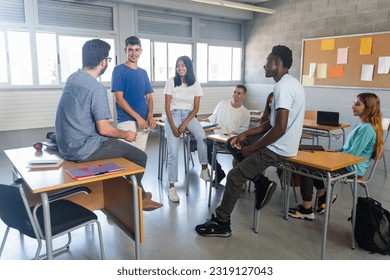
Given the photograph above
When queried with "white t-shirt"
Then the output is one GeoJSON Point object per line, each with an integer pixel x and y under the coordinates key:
{"type": "Point", "coordinates": [230, 119]}
{"type": "Point", "coordinates": [288, 94]}
{"type": "Point", "coordinates": [182, 96]}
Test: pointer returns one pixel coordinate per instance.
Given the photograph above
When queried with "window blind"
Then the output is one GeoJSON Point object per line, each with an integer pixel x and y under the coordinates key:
{"type": "Point", "coordinates": [164, 24]}
{"type": "Point", "coordinates": [12, 11]}
{"type": "Point", "coordinates": [219, 30]}
{"type": "Point", "coordinates": [78, 15]}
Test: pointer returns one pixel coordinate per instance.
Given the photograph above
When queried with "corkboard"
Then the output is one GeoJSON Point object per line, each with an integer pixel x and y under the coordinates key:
{"type": "Point", "coordinates": [349, 74]}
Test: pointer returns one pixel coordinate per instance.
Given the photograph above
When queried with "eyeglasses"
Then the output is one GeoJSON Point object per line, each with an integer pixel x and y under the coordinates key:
{"type": "Point", "coordinates": [108, 59]}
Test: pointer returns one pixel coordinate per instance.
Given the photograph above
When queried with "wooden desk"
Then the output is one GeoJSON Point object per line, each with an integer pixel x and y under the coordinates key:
{"type": "Point", "coordinates": [113, 194]}
{"type": "Point", "coordinates": [325, 163]}
{"type": "Point", "coordinates": [323, 130]}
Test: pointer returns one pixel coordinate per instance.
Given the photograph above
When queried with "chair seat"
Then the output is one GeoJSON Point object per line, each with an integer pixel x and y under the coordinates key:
{"type": "Point", "coordinates": [65, 215]}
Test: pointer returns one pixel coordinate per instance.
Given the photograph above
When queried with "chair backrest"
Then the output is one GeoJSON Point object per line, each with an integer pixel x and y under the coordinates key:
{"type": "Point", "coordinates": [386, 127]}
{"type": "Point", "coordinates": [311, 115]}
{"type": "Point", "coordinates": [372, 170]}
{"type": "Point", "coordinates": [14, 209]}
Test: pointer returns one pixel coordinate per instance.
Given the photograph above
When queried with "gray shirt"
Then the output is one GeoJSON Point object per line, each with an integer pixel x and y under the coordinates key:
{"type": "Point", "coordinates": [84, 101]}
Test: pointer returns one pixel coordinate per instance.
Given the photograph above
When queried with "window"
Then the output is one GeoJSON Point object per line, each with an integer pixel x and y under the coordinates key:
{"type": "Point", "coordinates": [165, 56]}
{"type": "Point", "coordinates": [222, 63]}
{"type": "Point", "coordinates": [217, 48]}
{"type": "Point", "coordinates": [46, 53]}
{"type": "Point", "coordinates": [3, 60]}
{"type": "Point", "coordinates": [47, 59]}
{"type": "Point", "coordinates": [20, 58]}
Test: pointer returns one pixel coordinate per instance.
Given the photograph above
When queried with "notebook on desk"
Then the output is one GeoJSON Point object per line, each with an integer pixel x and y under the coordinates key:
{"type": "Point", "coordinates": [328, 118]}
{"type": "Point", "coordinates": [94, 171]}
{"type": "Point", "coordinates": [208, 124]}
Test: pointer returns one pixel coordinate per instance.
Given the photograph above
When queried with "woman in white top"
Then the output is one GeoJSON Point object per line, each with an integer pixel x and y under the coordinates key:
{"type": "Point", "coordinates": [182, 99]}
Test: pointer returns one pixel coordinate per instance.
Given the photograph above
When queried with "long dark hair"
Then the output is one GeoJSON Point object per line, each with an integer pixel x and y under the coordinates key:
{"type": "Point", "coordinates": [190, 75]}
{"type": "Point", "coordinates": [267, 110]}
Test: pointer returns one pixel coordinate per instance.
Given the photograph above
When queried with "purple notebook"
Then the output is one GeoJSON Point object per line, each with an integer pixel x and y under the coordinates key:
{"type": "Point", "coordinates": [94, 171]}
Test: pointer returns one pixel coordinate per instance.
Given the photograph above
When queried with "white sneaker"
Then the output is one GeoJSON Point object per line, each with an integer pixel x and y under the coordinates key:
{"type": "Point", "coordinates": [205, 174]}
{"type": "Point", "coordinates": [172, 195]}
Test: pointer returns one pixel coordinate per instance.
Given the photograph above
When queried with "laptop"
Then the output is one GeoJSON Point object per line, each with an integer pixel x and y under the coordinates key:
{"type": "Point", "coordinates": [311, 148]}
{"type": "Point", "coordinates": [328, 118]}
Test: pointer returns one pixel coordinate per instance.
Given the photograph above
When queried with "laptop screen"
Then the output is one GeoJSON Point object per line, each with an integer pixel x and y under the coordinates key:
{"type": "Point", "coordinates": [328, 118]}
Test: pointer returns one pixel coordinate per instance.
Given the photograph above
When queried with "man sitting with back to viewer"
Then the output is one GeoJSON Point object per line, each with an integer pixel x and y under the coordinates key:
{"type": "Point", "coordinates": [281, 139]}
{"type": "Point", "coordinates": [232, 117]}
{"type": "Point", "coordinates": [83, 129]}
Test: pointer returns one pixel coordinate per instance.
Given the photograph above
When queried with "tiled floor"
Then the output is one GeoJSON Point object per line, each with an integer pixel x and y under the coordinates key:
{"type": "Point", "coordinates": [169, 231]}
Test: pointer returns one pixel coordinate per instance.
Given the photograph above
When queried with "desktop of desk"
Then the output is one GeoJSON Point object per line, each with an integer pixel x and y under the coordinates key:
{"type": "Point", "coordinates": [111, 193]}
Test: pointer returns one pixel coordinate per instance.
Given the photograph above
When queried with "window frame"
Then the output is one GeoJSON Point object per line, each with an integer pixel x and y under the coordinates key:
{"type": "Point", "coordinates": [33, 27]}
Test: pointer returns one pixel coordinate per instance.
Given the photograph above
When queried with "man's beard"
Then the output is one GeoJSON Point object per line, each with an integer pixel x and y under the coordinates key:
{"type": "Point", "coordinates": [103, 70]}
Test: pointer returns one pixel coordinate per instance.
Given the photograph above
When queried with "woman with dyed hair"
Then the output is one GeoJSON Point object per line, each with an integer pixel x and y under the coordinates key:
{"type": "Point", "coordinates": [366, 140]}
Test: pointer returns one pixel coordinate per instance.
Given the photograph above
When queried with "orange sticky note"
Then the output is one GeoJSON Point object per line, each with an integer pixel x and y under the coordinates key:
{"type": "Point", "coordinates": [336, 71]}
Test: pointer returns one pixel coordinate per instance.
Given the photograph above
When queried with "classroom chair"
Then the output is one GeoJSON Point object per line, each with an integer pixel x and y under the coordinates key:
{"type": "Point", "coordinates": [66, 216]}
{"type": "Point", "coordinates": [386, 130]}
{"type": "Point", "coordinates": [308, 134]}
{"type": "Point", "coordinates": [363, 181]}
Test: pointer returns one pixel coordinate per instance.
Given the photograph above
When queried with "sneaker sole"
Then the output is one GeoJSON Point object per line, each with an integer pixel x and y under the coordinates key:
{"type": "Point", "coordinates": [322, 211]}
{"type": "Point", "coordinates": [215, 234]}
{"type": "Point", "coordinates": [270, 191]}
{"type": "Point", "coordinates": [301, 217]}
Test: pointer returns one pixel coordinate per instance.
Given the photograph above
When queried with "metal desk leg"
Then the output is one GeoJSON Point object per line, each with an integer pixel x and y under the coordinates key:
{"type": "Point", "coordinates": [327, 210]}
{"type": "Point", "coordinates": [136, 217]}
{"type": "Point", "coordinates": [286, 176]}
{"type": "Point", "coordinates": [329, 139]}
{"type": "Point", "coordinates": [354, 201]}
{"type": "Point", "coordinates": [161, 149]}
{"type": "Point", "coordinates": [213, 163]}
{"type": "Point", "coordinates": [187, 151]}
{"type": "Point", "coordinates": [47, 224]}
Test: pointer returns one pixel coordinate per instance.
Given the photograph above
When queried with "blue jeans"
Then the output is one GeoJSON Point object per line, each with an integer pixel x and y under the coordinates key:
{"type": "Point", "coordinates": [173, 142]}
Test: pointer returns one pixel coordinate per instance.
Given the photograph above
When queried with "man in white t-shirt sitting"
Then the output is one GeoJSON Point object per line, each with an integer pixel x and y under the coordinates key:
{"type": "Point", "coordinates": [233, 118]}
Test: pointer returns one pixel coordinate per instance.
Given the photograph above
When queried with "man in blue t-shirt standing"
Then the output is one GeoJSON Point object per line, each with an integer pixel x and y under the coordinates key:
{"type": "Point", "coordinates": [83, 128]}
{"type": "Point", "coordinates": [133, 93]}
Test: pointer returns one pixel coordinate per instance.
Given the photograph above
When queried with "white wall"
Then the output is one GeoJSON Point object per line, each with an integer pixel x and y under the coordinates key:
{"type": "Point", "coordinates": [37, 109]}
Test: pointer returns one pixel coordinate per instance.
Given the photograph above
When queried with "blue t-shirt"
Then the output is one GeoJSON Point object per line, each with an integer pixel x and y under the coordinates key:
{"type": "Point", "coordinates": [360, 142]}
{"type": "Point", "coordinates": [135, 85]}
{"type": "Point", "coordinates": [83, 102]}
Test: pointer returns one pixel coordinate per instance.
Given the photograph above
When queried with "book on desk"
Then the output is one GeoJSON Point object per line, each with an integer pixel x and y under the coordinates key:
{"type": "Point", "coordinates": [208, 124]}
{"type": "Point", "coordinates": [94, 171]}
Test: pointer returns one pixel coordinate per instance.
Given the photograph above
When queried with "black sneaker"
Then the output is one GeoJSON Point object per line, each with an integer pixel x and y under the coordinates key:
{"type": "Point", "coordinates": [264, 191]}
{"type": "Point", "coordinates": [213, 227]}
{"type": "Point", "coordinates": [321, 203]}
{"type": "Point", "coordinates": [301, 213]}
{"type": "Point", "coordinates": [220, 177]}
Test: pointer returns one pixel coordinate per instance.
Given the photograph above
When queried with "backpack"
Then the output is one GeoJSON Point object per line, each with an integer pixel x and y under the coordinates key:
{"type": "Point", "coordinates": [372, 227]}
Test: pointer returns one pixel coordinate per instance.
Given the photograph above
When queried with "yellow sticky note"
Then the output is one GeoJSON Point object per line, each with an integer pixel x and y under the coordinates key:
{"type": "Point", "coordinates": [307, 80]}
{"type": "Point", "coordinates": [322, 69]}
{"type": "Point", "coordinates": [365, 46]}
{"type": "Point", "coordinates": [327, 44]}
